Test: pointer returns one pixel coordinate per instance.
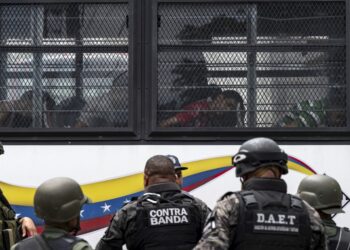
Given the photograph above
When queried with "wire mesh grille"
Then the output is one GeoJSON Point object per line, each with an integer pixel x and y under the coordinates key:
{"type": "Point", "coordinates": [44, 86]}
{"type": "Point", "coordinates": [64, 24]}
{"type": "Point", "coordinates": [256, 65]}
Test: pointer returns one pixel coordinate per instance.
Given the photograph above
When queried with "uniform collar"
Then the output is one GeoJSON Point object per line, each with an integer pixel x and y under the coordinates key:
{"type": "Point", "coordinates": [163, 187]}
{"type": "Point", "coordinates": [53, 232]}
{"type": "Point", "coordinates": [265, 184]}
{"type": "Point", "coordinates": [329, 222]}
{"type": "Point", "coordinates": [330, 227]}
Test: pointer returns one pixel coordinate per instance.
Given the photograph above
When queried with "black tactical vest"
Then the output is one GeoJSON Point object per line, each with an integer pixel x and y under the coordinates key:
{"type": "Point", "coordinates": [340, 241]}
{"type": "Point", "coordinates": [38, 242]}
{"type": "Point", "coordinates": [271, 220]}
{"type": "Point", "coordinates": [172, 223]}
{"type": "Point", "coordinates": [9, 230]}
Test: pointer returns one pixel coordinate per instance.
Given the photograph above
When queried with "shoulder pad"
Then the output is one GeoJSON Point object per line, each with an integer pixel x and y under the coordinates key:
{"type": "Point", "coordinates": [296, 202]}
{"type": "Point", "coordinates": [80, 242]}
{"type": "Point", "coordinates": [249, 198]}
{"type": "Point", "coordinates": [184, 198]}
{"type": "Point", "coordinates": [187, 195]}
{"type": "Point", "coordinates": [69, 240]}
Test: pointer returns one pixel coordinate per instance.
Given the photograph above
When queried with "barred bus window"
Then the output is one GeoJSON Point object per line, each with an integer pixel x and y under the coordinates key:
{"type": "Point", "coordinates": [64, 66]}
{"type": "Point", "coordinates": [283, 63]}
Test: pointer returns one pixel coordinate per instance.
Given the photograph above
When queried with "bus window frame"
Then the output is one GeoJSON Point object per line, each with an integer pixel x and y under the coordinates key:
{"type": "Point", "coordinates": [134, 93]}
{"type": "Point", "coordinates": [155, 132]}
{"type": "Point", "coordinates": [143, 93]}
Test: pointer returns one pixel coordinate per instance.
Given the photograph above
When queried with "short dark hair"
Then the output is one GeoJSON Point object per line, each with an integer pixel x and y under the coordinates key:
{"type": "Point", "coordinates": [46, 98]}
{"type": "Point", "coordinates": [159, 165]}
{"type": "Point", "coordinates": [232, 94]}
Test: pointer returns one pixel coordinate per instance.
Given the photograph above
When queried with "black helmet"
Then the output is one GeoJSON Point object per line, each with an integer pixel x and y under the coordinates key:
{"type": "Point", "coordinates": [59, 200]}
{"type": "Point", "coordinates": [257, 153]}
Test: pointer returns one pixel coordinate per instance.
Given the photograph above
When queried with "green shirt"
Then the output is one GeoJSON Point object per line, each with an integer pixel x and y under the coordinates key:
{"type": "Point", "coordinates": [309, 114]}
{"type": "Point", "coordinates": [330, 227]}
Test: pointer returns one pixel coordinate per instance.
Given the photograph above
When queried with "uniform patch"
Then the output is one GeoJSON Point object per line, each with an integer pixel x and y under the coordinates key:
{"type": "Point", "coordinates": [275, 222]}
{"type": "Point", "coordinates": [169, 216]}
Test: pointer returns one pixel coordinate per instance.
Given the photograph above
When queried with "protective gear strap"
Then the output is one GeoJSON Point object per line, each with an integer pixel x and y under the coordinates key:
{"type": "Point", "coordinates": [9, 238]}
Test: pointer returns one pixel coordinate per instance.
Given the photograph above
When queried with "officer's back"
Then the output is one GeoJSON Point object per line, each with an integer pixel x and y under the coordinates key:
{"type": "Point", "coordinates": [262, 215]}
{"type": "Point", "coordinates": [58, 202]}
{"type": "Point", "coordinates": [162, 218]}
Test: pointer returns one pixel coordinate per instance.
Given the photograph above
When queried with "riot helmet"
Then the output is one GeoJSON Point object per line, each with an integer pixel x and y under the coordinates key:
{"type": "Point", "coordinates": [321, 192]}
{"type": "Point", "coordinates": [59, 200]}
{"type": "Point", "coordinates": [257, 153]}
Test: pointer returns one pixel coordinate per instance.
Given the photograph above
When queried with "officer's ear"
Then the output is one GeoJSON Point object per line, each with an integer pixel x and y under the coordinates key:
{"type": "Point", "coordinates": [145, 180]}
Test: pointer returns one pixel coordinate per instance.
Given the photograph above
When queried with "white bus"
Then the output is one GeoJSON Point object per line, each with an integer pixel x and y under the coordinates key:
{"type": "Point", "coordinates": [92, 90]}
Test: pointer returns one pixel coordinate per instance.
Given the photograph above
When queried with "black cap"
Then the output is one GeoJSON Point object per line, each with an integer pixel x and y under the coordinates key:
{"type": "Point", "coordinates": [176, 162]}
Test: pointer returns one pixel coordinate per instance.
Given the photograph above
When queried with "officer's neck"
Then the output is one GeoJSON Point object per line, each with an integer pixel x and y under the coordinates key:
{"type": "Point", "coordinates": [265, 184]}
{"type": "Point", "coordinates": [324, 216]}
{"type": "Point", "coordinates": [149, 180]}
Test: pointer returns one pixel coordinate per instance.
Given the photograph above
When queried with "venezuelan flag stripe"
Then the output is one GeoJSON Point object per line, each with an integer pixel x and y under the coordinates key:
{"type": "Point", "coordinates": [299, 166]}
{"type": "Point", "coordinates": [110, 195]}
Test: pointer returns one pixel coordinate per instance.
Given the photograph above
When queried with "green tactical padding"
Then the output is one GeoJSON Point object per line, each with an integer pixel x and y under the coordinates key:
{"type": "Point", "coordinates": [8, 235]}
{"type": "Point", "coordinates": [8, 227]}
{"type": "Point", "coordinates": [9, 239]}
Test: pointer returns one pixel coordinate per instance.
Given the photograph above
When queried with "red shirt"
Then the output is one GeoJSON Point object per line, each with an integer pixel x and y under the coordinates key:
{"type": "Point", "coordinates": [194, 110]}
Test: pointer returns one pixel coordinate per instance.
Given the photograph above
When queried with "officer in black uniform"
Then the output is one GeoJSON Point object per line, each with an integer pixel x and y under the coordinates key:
{"type": "Point", "coordinates": [58, 202]}
{"type": "Point", "coordinates": [324, 194]}
{"type": "Point", "coordinates": [12, 229]}
{"type": "Point", "coordinates": [262, 215]}
{"type": "Point", "coordinates": [162, 218]}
